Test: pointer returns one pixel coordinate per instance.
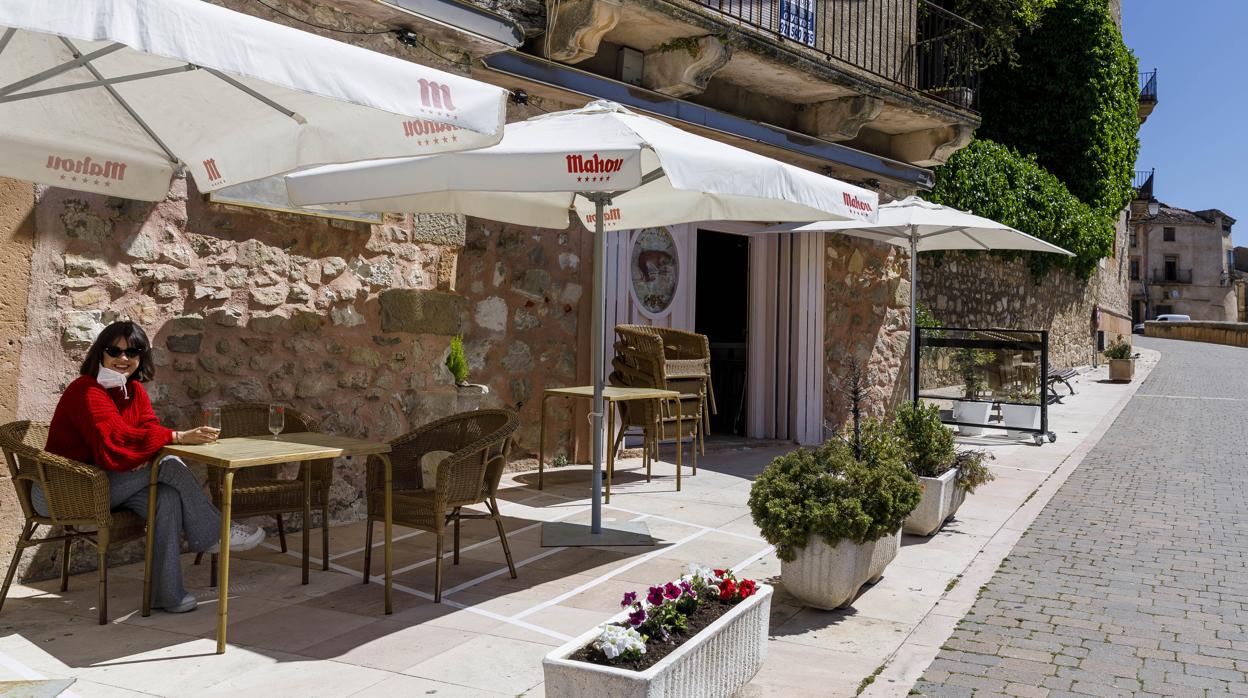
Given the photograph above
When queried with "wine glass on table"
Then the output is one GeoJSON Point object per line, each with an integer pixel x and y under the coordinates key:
{"type": "Point", "coordinates": [212, 418]}
{"type": "Point", "coordinates": [277, 419]}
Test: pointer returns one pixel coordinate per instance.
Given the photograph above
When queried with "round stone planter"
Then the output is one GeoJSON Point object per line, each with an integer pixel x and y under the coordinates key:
{"type": "Point", "coordinates": [941, 498]}
{"type": "Point", "coordinates": [827, 577]}
{"type": "Point", "coordinates": [469, 396]}
{"type": "Point", "coordinates": [974, 412]}
{"type": "Point", "coordinates": [715, 663]}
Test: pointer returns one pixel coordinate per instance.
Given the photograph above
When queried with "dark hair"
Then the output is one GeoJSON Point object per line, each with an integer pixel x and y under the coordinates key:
{"type": "Point", "coordinates": [135, 338]}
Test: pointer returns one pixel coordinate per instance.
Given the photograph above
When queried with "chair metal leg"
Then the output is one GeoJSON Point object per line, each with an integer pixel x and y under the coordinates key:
{"type": "Point", "coordinates": [502, 535]}
{"type": "Point", "coordinates": [28, 530]}
{"type": "Point", "coordinates": [65, 563]}
{"type": "Point", "coordinates": [325, 538]}
{"type": "Point", "coordinates": [368, 549]}
{"type": "Point", "coordinates": [455, 558]}
{"type": "Point", "coordinates": [437, 572]}
{"type": "Point", "coordinates": [281, 531]}
{"type": "Point", "coordinates": [198, 558]}
{"type": "Point", "coordinates": [101, 539]}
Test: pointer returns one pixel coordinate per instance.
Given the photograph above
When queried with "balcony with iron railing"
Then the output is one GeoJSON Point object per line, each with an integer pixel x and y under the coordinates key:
{"type": "Point", "coordinates": [912, 44]}
{"type": "Point", "coordinates": [1172, 276]}
{"type": "Point", "coordinates": [1148, 93]}
{"type": "Point", "coordinates": [1143, 184]}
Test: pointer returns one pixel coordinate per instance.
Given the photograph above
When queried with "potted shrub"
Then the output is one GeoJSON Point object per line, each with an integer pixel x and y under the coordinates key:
{"type": "Point", "coordinates": [469, 397]}
{"type": "Point", "coordinates": [703, 635]}
{"type": "Point", "coordinates": [968, 362]}
{"type": "Point", "coordinates": [1020, 408]}
{"type": "Point", "coordinates": [834, 513]}
{"type": "Point", "coordinates": [1121, 361]}
{"type": "Point", "coordinates": [946, 474]}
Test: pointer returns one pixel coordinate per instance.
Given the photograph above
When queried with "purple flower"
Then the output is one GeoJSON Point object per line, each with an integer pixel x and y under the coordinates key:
{"type": "Point", "coordinates": [655, 597]}
{"type": "Point", "coordinates": [687, 588]}
{"type": "Point", "coordinates": [671, 591]}
{"type": "Point", "coordinates": [637, 617]}
{"type": "Point", "coordinates": [629, 599]}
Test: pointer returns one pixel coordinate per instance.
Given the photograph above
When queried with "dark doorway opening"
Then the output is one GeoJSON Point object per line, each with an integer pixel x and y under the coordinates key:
{"type": "Point", "coordinates": [721, 314]}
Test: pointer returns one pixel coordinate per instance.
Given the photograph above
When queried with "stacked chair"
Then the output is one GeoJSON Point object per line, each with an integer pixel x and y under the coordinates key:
{"type": "Point", "coordinates": [644, 359]}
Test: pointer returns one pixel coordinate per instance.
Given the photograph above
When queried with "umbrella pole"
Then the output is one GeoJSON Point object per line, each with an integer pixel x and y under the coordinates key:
{"type": "Point", "coordinates": [914, 304]}
{"type": "Point", "coordinates": [599, 348]}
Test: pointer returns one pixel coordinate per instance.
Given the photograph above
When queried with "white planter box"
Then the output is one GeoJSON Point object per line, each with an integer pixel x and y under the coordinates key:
{"type": "Point", "coordinates": [941, 498]}
{"type": "Point", "coordinates": [827, 577]}
{"type": "Point", "coordinates": [715, 663]}
{"type": "Point", "coordinates": [976, 412]}
{"type": "Point", "coordinates": [1022, 416]}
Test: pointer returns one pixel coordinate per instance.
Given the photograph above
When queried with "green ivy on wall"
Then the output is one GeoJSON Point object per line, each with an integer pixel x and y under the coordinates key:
{"type": "Point", "coordinates": [991, 180]}
{"type": "Point", "coordinates": [1072, 100]}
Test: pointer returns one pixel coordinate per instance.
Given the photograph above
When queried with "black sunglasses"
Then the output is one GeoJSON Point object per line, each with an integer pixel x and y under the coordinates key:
{"type": "Point", "coordinates": [118, 351]}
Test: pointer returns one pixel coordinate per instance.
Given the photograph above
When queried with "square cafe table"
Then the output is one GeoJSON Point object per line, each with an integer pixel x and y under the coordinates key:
{"type": "Point", "coordinates": [235, 454]}
{"type": "Point", "coordinates": [610, 395]}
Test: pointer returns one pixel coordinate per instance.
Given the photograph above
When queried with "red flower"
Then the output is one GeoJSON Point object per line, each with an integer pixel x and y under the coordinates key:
{"type": "Point", "coordinates": [748, 587]}
{"type": "Point", "coordinates": [727, 589]}
{"type": "Point", "coordinates": [720, 573]}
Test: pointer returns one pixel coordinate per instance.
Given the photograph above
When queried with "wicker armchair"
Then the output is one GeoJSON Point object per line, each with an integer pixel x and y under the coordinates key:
{"type": "Point", "coordinates": [480, 444]}
{"type": "Point", "coordinates": [641, 362]}
{"type": "Point", "coordinates": [77, 497]}
{"type": "Point", "coordinates": [687, 365]}
{"type": "Point", "coordinates": [259, 491]}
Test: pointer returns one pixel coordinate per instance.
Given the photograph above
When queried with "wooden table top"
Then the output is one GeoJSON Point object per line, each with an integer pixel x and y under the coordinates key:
{"type": "Point", "coordinates": [250, 451]}
{"type": "Point", "coordinates": [613, 393]}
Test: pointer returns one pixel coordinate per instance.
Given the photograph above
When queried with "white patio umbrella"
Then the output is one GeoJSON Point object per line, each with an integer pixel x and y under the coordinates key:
{"type": "Point", "coordinates": [113, 96]}
{"type": "Point", "coordinates": [615, 168]}
{"type": "Point", "coordinates": [923, 226]}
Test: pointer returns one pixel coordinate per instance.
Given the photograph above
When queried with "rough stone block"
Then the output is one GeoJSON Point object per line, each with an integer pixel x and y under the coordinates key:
{"type": "Point", "coordinates": [422, 312]}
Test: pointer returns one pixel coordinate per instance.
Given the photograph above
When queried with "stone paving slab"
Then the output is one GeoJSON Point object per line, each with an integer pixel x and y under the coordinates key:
{"type": "Point", "coordinates": [1134, 578]}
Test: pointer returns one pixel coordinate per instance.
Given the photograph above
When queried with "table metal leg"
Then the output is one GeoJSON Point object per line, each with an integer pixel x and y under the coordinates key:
{"type": "Point", "coordinates": [610, 446]}
{"type": "Point", "coordinates": [541, 445]}
{"type": "Point", "coordinates": [679, 442]}
{"type": "Point", "coordinates": [151, 539]}
{"type": "Point", "coordinates": [307, 517]}
{"type": "Point", "coordinates": [223, 559]}
{"type": "Point", "coordinates": [389, 529]}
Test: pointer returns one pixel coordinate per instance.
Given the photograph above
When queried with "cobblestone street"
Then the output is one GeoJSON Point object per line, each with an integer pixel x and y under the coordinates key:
{"type": "Point", "coordinates": [1134, 578]}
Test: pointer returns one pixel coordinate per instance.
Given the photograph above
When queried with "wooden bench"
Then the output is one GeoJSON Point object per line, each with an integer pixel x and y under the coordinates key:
{"type": "Point", "coordinates": [1059, 375]}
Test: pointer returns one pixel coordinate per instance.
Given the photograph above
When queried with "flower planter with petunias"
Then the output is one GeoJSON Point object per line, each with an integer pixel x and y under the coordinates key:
{"type": "Point", "coordinates": [701, 636]}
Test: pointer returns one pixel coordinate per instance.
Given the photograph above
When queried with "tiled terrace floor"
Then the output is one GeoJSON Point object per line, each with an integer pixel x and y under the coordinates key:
{"type": "Point", "coordinates": [488, 636]}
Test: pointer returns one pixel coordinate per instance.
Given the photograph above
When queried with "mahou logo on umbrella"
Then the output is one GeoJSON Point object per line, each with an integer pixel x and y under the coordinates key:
{"type": "Point", "coordinates": [856, 204]}
{"type": "Point", "coordinates": [593, 164]}
{"type": "Point", "coordinates": [107, 169]}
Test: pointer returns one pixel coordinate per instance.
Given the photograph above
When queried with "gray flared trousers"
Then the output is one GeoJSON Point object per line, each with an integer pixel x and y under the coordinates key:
{"type": "Point", "coordinates": [182, 508]}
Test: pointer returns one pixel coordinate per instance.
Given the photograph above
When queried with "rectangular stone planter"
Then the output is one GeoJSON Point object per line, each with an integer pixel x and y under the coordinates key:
{"type": "Point", "coordinates": [941, 498]}
{"type": "Point", "coordinates": [974, 412]}
{"type": "Point", "coordinates": [1121, 370]}
{"type": "Point", "coordinates": [1021, 417]}
{"type": "Point", "coordinates": [715, 663]}
{"type": "Point", "coordinates": [828, 577]}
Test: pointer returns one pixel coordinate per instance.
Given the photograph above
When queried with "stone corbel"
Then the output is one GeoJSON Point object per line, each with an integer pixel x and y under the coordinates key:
{"type": "Point", "coordinates": [684, 69]}
{"type": "Point", "coordinates": [577, 27]}
{"type": "Point", "coordinates": [931, 147]}
{"type": "Point", "coordinates": [839, 119]}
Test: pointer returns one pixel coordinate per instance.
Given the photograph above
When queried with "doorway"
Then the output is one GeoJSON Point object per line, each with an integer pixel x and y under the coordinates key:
{"type": "Point", "coordinates": [721, 313]}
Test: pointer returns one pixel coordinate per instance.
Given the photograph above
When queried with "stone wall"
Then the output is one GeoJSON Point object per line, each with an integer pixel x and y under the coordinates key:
{"type": "Point", "coordinates": [1232, 333]}
{"type": "Point", "coordinates": [867, 304]}
{"type": "Point", "coordinates": [984, 290]}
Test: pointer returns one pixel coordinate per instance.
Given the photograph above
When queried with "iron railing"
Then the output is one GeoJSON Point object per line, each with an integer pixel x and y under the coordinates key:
{"type": "Point", "coordinates": [1143, 183]}
{"type": "Point", "coordinates": [914, 44]}
{"type": "Point", "coordinates": [1148, 86]}
{"type": "Point", "coordinates": [1172, 276]}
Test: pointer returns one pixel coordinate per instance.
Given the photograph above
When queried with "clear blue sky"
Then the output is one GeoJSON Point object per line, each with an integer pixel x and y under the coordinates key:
{"type": "Point", "coordinates": [1197, 137]}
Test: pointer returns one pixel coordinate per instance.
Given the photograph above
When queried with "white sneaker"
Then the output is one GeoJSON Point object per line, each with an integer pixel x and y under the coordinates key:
{"type": "Point", "coordinates": [242, 537]}
{"type": "Point", "coordinates": [187, 604]}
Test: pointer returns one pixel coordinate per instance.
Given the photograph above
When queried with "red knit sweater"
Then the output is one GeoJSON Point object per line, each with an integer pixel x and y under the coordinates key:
{"type": "Point", "coordinates": [104, 428]}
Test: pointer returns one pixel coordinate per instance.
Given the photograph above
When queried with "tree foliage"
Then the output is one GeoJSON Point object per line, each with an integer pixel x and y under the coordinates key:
{"type": "Point", "coordinates": [1003, 21]}
{"type": "Point", "coordinates": [991, 180]}
{"type": "Point", "coordinates": [1072, 100]}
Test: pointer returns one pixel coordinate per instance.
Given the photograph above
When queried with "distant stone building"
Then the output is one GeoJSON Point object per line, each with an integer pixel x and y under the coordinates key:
{"type": "Point", "coordinates": [1181, 262]}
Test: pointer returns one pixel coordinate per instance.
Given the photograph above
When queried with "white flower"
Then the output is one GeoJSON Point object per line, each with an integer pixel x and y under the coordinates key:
{"type": "Point", "coordinates": [706, 574]}
{"type": "Point", "coordinates": [615, 641]}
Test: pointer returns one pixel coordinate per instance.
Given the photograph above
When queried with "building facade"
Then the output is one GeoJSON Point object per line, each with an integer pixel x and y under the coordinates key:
{"type": "Point", "coordinates": [1182, 262]}
{"type": "Point", "coordinates": [350, 319]}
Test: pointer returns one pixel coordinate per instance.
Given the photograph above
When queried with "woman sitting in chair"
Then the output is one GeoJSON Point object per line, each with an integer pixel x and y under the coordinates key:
{"type": "Point", "coordinates": [105, 418]}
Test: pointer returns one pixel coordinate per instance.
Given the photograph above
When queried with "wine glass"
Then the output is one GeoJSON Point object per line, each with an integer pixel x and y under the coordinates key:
{"type": "Point", "coordinates": [277, 419]}
{"type": "Point", "coordinates": [212, 417]}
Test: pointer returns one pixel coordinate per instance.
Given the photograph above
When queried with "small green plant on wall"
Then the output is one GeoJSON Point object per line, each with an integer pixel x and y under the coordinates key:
{"type": "Point", "coordinates": [456, 362]}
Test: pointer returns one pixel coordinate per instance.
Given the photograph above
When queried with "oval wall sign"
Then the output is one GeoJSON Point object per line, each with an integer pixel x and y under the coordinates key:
{"type": "Point", "coordinates": [654, 265]}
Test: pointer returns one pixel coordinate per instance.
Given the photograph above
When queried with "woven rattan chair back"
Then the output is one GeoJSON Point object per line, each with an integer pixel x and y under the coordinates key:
{"type": "Point", "coordinates": [252, 419]}
{"type": "Point", "coordinates": [478, 441]}
{"type": "Point", "coordinates": [22, 442]}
